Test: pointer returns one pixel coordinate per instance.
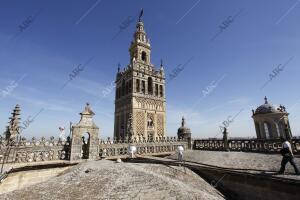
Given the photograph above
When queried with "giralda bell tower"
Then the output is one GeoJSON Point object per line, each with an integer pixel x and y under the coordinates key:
{"type": "Point", "coordinates": [140, 103]}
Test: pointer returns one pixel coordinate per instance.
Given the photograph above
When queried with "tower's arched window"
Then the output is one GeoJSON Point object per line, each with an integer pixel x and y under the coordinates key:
{"type": "Point", "coordinates": [266, 127]}
{"type": "Point", "coordinates": [156, 90]}
{"type": "Point", "coordinates": [150, 85]}
{"type": "Point", "coordinates": [150, 123]}
{"type": "Point", "coordinates": [161, 90]}
{"type": "Point", "coordinates": [137, 85]}
{"type": "Point", "coordinates": [144, 56]}
{"type": "Point", "coordinates": [143, 87]}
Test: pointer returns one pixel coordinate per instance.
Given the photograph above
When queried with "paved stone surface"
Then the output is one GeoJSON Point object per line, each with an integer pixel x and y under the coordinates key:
{"type": "Point", "coordinates": [110, 180]}
{"type": "Point", "coordinates": [240, 160]}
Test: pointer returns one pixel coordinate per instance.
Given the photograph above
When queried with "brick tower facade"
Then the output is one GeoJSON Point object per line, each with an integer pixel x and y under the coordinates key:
{"type": "Point", "coordinates": [140, 104]}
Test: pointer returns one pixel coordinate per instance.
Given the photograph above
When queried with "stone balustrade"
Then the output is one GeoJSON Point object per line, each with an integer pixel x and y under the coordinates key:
{"type": "Point", "coordinates": [244, 144]}
{"type": "Point", "coordinates": [25, 151]}
{"type": "Point", "coordinates": [34, 150]}
{"type": "Point", "coordinates": [114, 148]}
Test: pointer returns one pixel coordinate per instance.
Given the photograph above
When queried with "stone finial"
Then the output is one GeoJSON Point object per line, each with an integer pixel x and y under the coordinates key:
{"type": "Point", "coordinates": [183, 122]}
{"type": "Point", "coordinates": [88, 110]}
{"type": "Point", "coordinates": [266, 100]}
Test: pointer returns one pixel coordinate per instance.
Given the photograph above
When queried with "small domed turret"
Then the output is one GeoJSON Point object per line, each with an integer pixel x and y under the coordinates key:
{"type": "Point", "coordinates": [184, 132]}
{"type": "Point", "coordinates": [270, 121]}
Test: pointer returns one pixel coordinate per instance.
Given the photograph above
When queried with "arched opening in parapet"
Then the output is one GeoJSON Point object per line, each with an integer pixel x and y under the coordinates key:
{"type": "Point", "coordinates": [85, 144]}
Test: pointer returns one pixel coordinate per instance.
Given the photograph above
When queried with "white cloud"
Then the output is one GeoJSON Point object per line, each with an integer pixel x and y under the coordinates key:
{"type": "Point", "coordinates": [55, 105]}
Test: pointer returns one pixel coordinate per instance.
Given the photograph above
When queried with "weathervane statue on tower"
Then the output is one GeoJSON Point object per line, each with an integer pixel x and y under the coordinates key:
{"type": "Point", "coordinates": [141, 14]}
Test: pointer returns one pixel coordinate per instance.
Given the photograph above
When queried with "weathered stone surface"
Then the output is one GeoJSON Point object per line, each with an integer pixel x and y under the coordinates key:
{"type": "Point", "coordinates": [19, 180]}
{"type": "Point", "coordinates": [238, 160]}
{"type": "Point", "coordinates": [109, 180]}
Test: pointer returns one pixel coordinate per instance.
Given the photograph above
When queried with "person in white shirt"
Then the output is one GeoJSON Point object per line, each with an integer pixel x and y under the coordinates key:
{"type": "Point", "coordinates": [180, 150]}
{"type": "Point", "coordinates": [287, 156]}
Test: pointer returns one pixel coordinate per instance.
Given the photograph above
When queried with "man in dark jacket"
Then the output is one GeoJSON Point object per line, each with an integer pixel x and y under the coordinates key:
{"type": "Point", "coordinates": [287, 156]}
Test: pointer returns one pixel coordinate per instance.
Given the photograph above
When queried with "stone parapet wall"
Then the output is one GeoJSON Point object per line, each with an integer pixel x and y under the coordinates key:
{"type": "Point", "coordinates": [37, 151]}
{"type": "Point", "coordinates": [34, 151]}
{"type": "Point", "coordinates": [162, 145]}
{"type": "Point", "coordinates": [246, 145]}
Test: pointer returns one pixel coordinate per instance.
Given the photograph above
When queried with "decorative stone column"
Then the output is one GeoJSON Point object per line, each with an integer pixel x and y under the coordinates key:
{"type": "Point", "coordinates": [225, 139]}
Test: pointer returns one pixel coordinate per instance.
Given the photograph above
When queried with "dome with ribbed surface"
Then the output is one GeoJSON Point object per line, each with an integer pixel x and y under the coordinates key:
{"type": "Point", "coordinates": [269, 108]}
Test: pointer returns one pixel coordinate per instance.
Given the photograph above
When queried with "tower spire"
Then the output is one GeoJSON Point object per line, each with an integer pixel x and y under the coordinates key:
{"type": "Point", "coordinates": [140, 49]}
{"type": "Point", "coordinates": [13, 128]}
{"type": "Point", "coordinates": [140, 82]}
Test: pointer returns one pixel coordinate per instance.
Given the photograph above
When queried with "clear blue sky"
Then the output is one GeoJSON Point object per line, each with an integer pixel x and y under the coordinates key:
{"type": "Point", "coordinates": [41, 54]}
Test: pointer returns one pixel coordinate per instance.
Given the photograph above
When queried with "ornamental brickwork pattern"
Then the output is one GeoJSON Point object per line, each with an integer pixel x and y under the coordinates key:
{"type": "Point", "coordinates": [160, 125]}
{"type": "Point", "coordinates": [140, 123]}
